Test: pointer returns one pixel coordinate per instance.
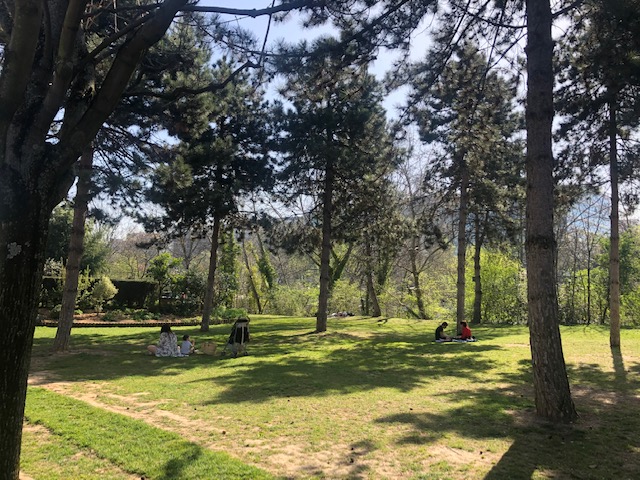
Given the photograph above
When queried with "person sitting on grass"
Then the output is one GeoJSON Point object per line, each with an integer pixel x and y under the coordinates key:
{"type": "Point", "coordinates": [167, 345]}
{"type": "Point", "coordinates": [440, 336]}
{"type": "Point", "coordinates": [187, 347]}
{"type": "Point", "coordinates": [465, 333]}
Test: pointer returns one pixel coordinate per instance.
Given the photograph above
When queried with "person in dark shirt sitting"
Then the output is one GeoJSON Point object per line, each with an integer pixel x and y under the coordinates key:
{"type": "Point", "coordinates": [440, 336]}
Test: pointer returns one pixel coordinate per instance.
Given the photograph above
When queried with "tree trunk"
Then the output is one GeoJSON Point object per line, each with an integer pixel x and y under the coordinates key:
{"type": "Point", "coordinates": [211, 277]}
{"type": "Point", "coordinates": [252, 282]}
{"type": "Point", "coordinates": [35, 172]}
{"type": "Point", "coordinates": [462, 243]}
{"type": "Point", "coordinates": [589, 287]}
{"type": "Point", "coordinates": [325, 254]}
{"type": "Point", "coordinates": [415, 275]}
{"type": "Point", "coordinates": [614, 250]}
{"type": "Point", "coordinates": [23, 233]}
{"type": "Point", "coordinates": [336, 272]}
{"type": "Point", "coordinates": [551, 385]}
{"type": "Point", "coordinates": [371, 289]}
{"type": "Point", "coordinates": [76, 249]}
{"type": "Point", "coordinates": [477, 280]}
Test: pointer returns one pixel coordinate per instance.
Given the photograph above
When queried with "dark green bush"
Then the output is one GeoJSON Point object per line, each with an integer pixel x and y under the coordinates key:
{"type": "Point", "coordinates": [132, 293]}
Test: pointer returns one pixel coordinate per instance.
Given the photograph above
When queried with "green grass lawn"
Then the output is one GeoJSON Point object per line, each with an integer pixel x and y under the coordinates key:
{"type": "Point", "coordinates": [367, 399]}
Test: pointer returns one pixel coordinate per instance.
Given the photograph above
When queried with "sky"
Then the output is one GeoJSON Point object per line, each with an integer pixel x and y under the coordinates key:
{"type": "Point", "coordinates": [292, 31]}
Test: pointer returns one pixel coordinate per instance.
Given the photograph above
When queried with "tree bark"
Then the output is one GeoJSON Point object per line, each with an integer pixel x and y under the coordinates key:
{"type": "Point", "coordinates": [35, 173]}
{"type": "Point", "coordinates": [415, 275]}
{"type": "Point", "coordinates": [23, 233]}
{"type": "Point", "coordinates": [477, 279]}
{"type": "Point", "coordinates": [551, 385]}
{"type": "Point", "coordinates": [371, 289]}
{"type": "Point", "coordinates": [76, 249]}
{"type": "Point", "coordinates": [211, 277]}
{"type": "Point", "coordinates": [462, 243]}
{"type": "Point", "coordinates": [614, 248]}
{"type": "Point", "coordinates": [325, 253]}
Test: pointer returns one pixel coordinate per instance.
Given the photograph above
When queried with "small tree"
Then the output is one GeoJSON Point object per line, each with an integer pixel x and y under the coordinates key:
{"type": "Point", "coordinates": [102, 292]}
{"type": "Point", "coordinates": [160, 270]}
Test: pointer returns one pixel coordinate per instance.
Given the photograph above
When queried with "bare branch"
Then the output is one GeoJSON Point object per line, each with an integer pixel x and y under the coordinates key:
{"type": "Point", "coordinates": [253, 13]}
{"type": "Point", "coordinates": [74, 137]}
{"type": "Point", "coordinates": [18, 60]}
{"type": "Point", "coordinates": [568, 8]}
{"type": "Point", "coordinates": [111, 39]}
{"type": "Point", "coordinates": [488, 21]}
{"type": "Point", "coordinates": [64, 66]}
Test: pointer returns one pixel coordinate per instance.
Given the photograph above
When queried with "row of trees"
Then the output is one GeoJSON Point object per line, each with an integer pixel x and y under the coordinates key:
{"type": "Point", "coordinates": [278, 281]}
{"type": "Point", "coordinates": [93, 89]}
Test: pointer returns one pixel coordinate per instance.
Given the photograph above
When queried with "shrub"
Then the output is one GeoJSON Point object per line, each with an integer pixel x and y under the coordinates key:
{"type": "Point", "coordinates": [133, 293]}
{"type": "Point", "coordinates": [345, 297]}
{"type": "Point", "coordinates": [51, 292]}
{"type": "Point", "coordinates": [229, 313]}
{"type": "Point", "coordinates": [55, 312]}
{"type": "Point", "coordinates": [102, 291]}
{"type": "Point", "coordinates": [294, 301]}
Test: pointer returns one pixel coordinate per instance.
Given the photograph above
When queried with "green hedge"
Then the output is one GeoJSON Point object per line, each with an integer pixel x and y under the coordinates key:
{"type": "Point", "coordinates": [131, 293]}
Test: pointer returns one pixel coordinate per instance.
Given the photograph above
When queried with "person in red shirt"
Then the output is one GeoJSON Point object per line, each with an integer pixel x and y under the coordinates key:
{"type": "Point", "coordinates": [465, 333]}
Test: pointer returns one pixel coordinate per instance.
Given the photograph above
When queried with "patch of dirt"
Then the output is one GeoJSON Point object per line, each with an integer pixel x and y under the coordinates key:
{"type": "Point", "coordinates": [281, 456]}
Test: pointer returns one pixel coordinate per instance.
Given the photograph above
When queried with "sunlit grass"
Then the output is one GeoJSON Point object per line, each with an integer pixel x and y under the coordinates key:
{"type": "Point", "coordinates": [367, 399]}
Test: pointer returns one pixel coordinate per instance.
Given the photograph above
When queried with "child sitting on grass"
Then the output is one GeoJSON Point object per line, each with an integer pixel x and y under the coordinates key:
{"type": "Point", "coordinates": [187, 347]}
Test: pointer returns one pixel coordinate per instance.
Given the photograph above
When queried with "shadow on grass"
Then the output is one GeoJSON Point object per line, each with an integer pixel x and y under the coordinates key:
{"type": "Point", "coordinates": [283, 362]}
{"type": "Point", "coordinates": [286, 361]}
{"type": "Point", "coordinates": [603, 443]}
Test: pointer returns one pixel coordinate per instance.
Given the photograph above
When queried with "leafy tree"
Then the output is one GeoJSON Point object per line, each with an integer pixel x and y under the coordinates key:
{"type": "Point", "coordinates": [161, 270]}
{"type": "Point", "coordinates": [202, 186]}
{"type": "Point", "coordinates": [469, 111]}
{"type": "Point", "coordinates": [49, 88]}
{"type": "Point", "coordinates": [629, 252]}
{"type": "Point", "coordinates": [334, 135]}
{"type": "Point", "coordinates": [64, 70]}
{"type": "Point", "coordinates": [503, 299]}
{"type": "Point", "coordinates": [601, 85]}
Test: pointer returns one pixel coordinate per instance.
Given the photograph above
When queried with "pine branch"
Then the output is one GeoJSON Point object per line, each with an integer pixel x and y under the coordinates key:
{"type": "Point", "coordinates": [184, 91]}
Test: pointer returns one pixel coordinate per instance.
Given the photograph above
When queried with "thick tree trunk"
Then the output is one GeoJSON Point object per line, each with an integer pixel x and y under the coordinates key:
{"type": "Point", "coordinates": [34, 172]}
{"type": "Point", "coordinates": [23, 232]}
{"type": "Point", "coordinates": [614, 250]}
{"type": "Point", "coordinates": [76, 249]}
{"type": "Point", "coordinates": [211, 277]}
{"type": "Point", "coordinates": [462, 244]}
{"type": "Point", "coordinates": [325, 253]}
{"type": "Point", "coordinates": [551, 385]}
